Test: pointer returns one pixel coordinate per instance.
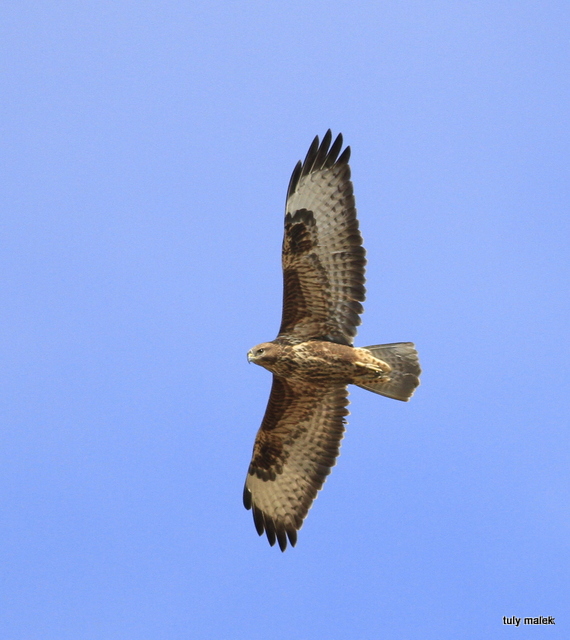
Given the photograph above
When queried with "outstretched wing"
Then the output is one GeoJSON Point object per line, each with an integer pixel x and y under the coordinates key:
{"type": "Point", "coordinates": [323, 257]}
{"type": "Point", "coordinates": [294, 450]}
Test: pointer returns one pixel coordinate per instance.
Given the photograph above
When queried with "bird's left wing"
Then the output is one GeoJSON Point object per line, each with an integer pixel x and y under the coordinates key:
{"type": "Point", "coordinates": [294, 451]}
{"type": "Point", "coordinates": [323, 257]}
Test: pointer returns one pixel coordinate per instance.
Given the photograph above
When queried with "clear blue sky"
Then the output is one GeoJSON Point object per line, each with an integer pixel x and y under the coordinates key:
{"type": "Point", "coordinates": [146, 150]}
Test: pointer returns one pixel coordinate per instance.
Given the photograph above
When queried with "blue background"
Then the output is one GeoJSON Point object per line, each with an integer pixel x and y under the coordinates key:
{"type": "Point", "coordinates": [146, 150]}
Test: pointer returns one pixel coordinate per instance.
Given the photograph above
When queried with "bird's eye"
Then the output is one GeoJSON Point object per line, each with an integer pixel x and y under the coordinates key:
{"type": "Point", "coordinates": [260, 351]}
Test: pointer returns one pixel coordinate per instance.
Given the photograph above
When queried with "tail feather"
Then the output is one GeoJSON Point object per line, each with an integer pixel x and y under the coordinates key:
{"type": "Point", "coordinates": [404, 376]}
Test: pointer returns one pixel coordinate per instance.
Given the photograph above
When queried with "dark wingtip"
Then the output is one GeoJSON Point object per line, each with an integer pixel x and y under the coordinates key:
{"type": "Point", "coordinates": [247, 498]}
{"type": "Point", "coordinates": [310, 157]}
{"type": "Point", "coordinates": [322, 152]}
{"type": "Point", "coordinates": [292, 535]}
{"type": "Point", "coordinates": [334, 151]}
{"type": "Point", "coordinates": [275, 532]}
{"type": "Point", "coordinates": [282, 539]}
{"type": "Point", "coordinates": [321, 155]}
{"type": "Point", "coordinates": [344, 157]}
{"type": "Point", "coordinates": [258, 520]}
{"type": "Point", "coordinates": [294, 181]}
{"type": "Point", "coordinates": [270, 531]}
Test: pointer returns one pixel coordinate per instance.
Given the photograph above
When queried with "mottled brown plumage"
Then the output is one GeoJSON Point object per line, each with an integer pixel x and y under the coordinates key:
{"type": "Point", "coordinates": [312, 359]}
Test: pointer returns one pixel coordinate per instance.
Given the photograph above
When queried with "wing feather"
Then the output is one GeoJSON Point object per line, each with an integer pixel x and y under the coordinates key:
{"type": "Point", "coordinates": [323, 258]}
{"type": "Point", "coordinates": [294, 451]}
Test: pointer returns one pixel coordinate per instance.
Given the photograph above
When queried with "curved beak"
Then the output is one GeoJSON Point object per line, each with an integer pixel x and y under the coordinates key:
{"type": "Point", "coordinates": [249, 357]}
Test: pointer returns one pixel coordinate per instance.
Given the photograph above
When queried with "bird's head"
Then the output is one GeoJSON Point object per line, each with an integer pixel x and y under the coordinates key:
{"type": "Point", "coordinates": [265, 354]}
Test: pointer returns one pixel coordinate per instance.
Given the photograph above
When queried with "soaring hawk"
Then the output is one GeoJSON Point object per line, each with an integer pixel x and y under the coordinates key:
{"type": "Point", "coordinates": [312, 359]}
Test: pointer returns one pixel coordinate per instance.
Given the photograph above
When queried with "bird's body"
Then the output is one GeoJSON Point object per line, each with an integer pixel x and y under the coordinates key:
{"type": "Point", "coordinates": [320, 362]}
{"type": "Point", "coordinates": [312, 359]}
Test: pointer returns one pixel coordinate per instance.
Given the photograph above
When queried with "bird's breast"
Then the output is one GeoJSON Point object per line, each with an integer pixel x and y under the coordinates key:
{"type": "Point", "coordinates": [315, 361]}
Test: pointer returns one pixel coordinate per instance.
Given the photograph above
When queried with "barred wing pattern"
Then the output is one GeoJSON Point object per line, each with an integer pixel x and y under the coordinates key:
{"type": "Point", "coordinates": [323, 257]}
{"type": "Point", "coordinates": [294, 451]}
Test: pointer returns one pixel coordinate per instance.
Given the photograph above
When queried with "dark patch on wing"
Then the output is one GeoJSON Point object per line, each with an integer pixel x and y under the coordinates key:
{"type": "Point", "coordinates": [268, 455]}
{"type": "Point", "coordinates": [298, 231]}
{"type": "Point", "coordinates": [323, 257]}
{"type": "Point", "coordinates": [295, 448]}
{"type": "Point", "coordinates": [292, 292]}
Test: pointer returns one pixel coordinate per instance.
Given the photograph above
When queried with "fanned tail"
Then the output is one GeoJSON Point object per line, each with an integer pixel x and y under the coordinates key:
{"type": "Point", "coordinates": [404, 376]}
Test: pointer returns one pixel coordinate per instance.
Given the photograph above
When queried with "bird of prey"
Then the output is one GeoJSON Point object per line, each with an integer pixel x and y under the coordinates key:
{"type": "Point", "coordinates": [312, 359]}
